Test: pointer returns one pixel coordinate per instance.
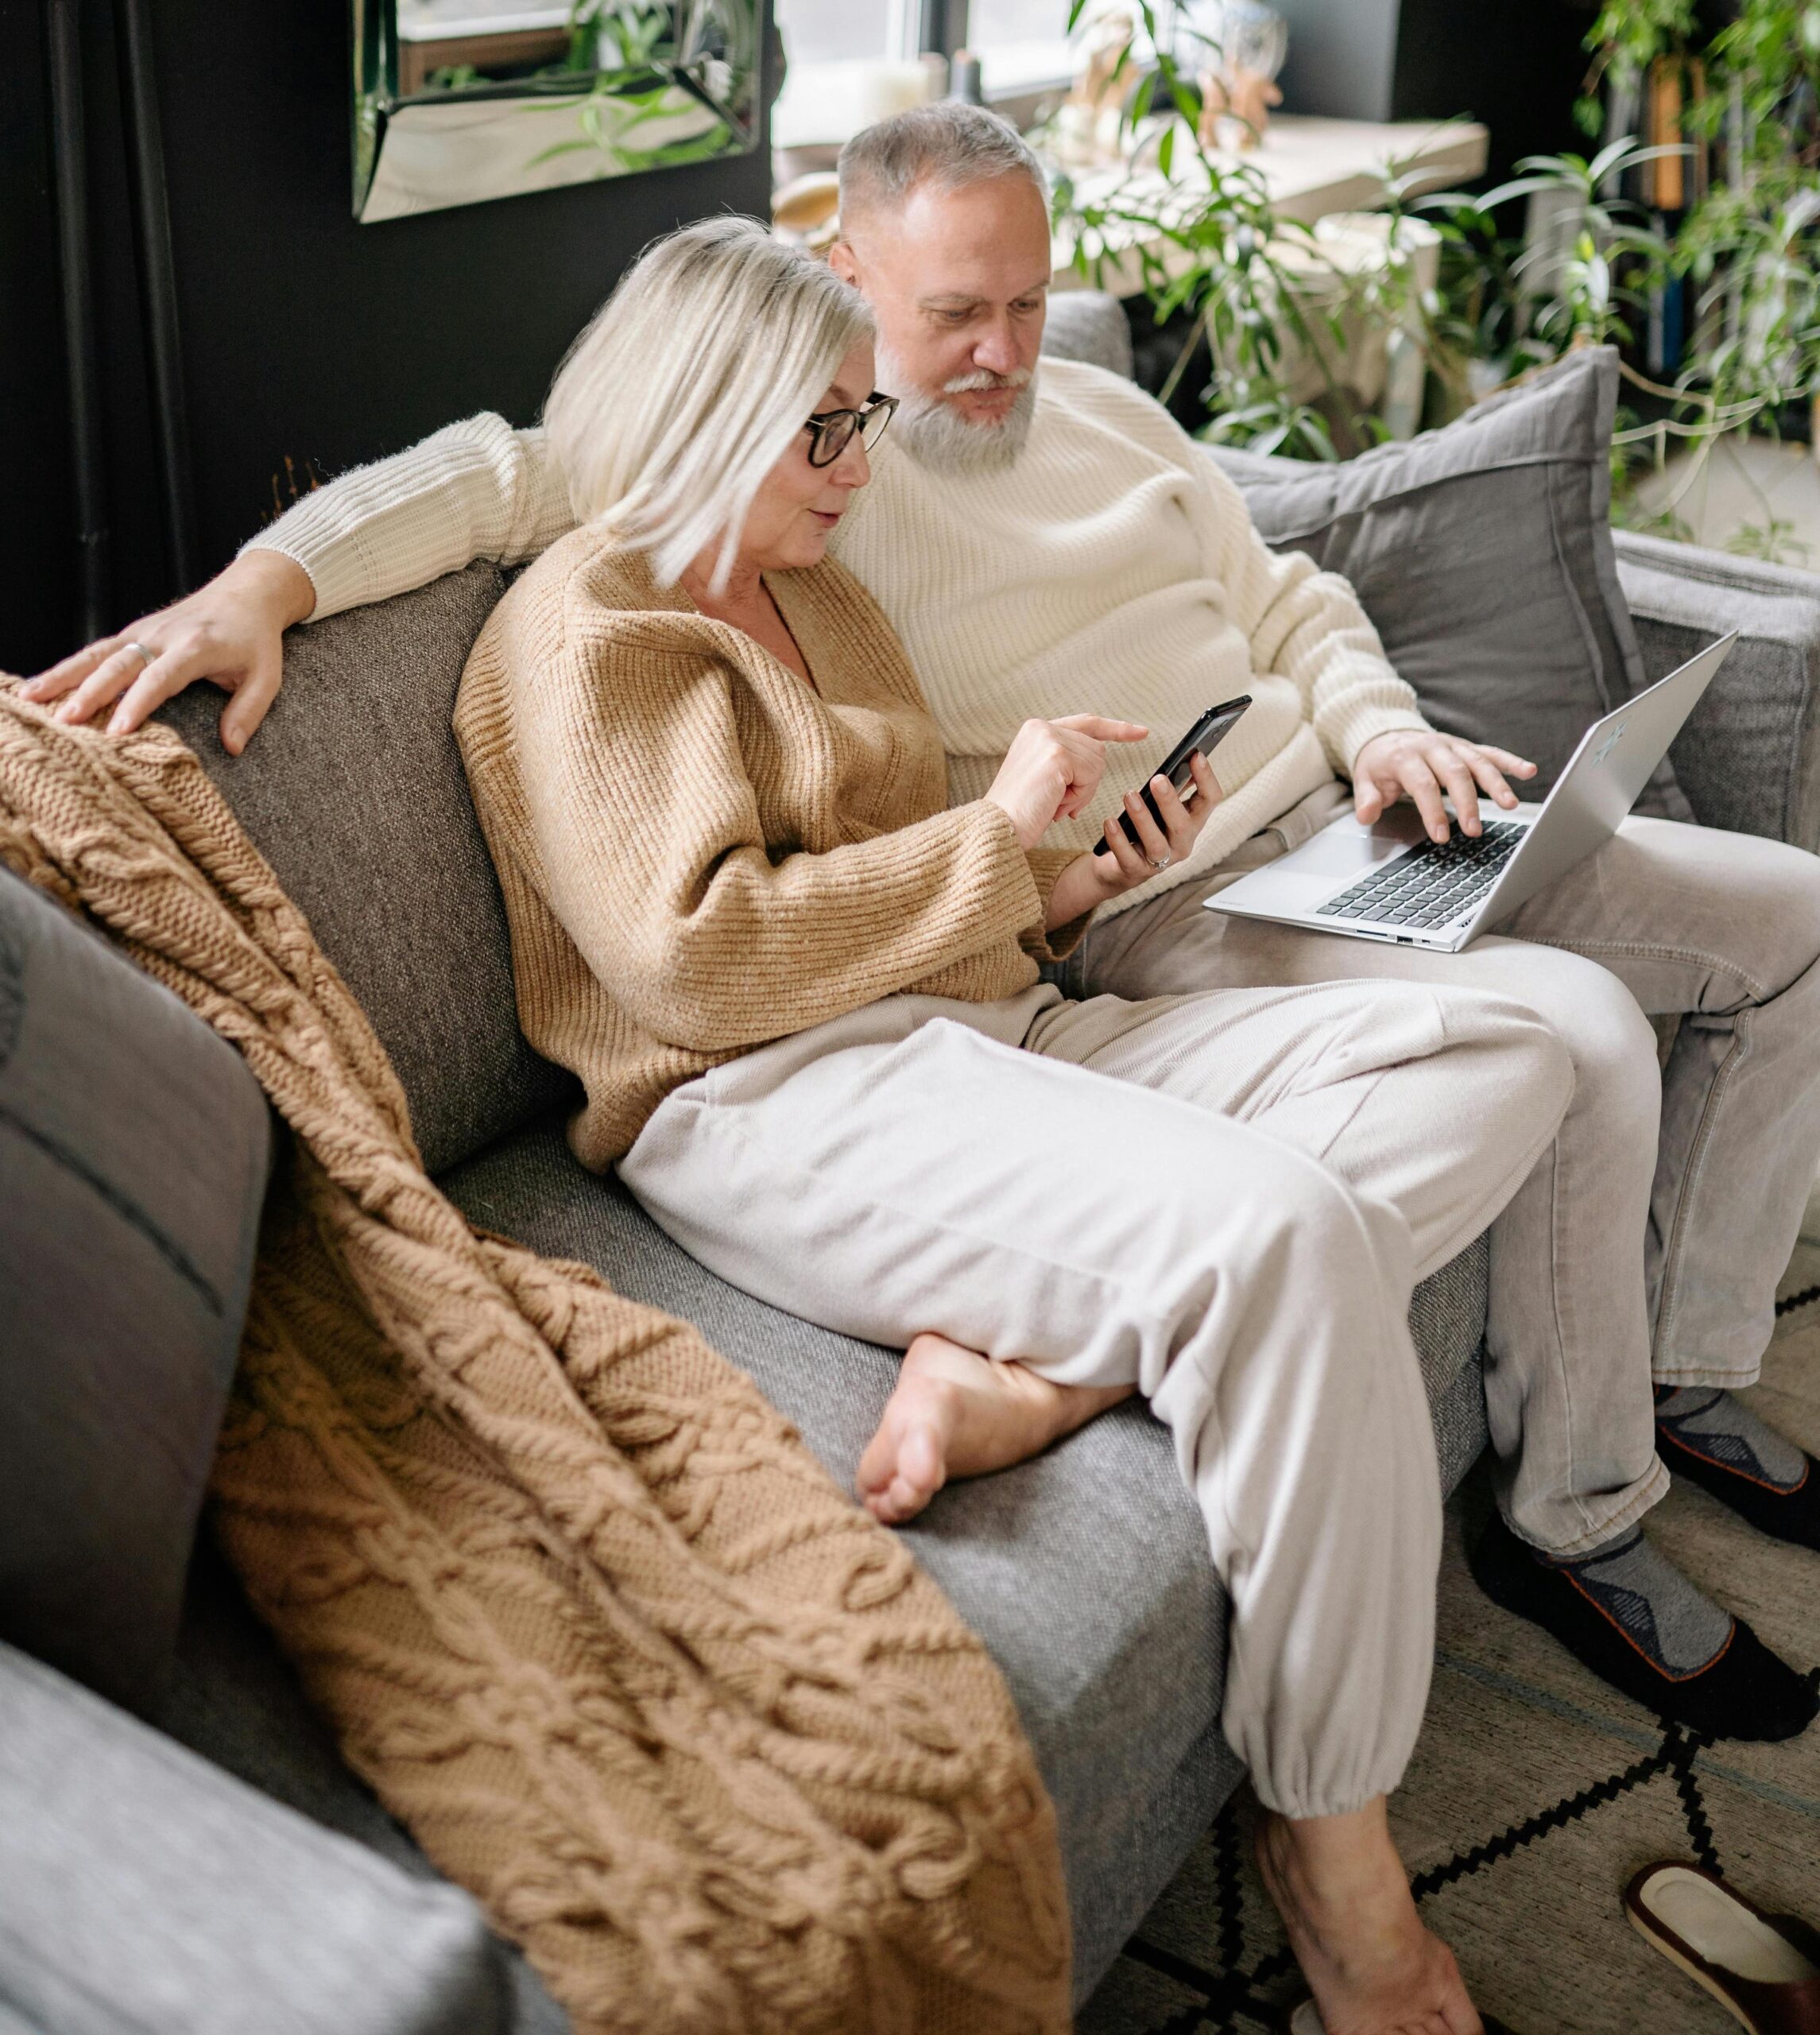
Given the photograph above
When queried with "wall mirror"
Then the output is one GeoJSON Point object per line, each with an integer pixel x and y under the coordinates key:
{"type": "Point", "coordinates": [455, 101]}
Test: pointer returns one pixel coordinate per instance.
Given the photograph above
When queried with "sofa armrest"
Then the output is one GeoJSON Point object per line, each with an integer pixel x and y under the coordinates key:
{"type": "Point", "coordinates": [143, 1892]}
{"type": "Point", "coordinates": [1749, 756]}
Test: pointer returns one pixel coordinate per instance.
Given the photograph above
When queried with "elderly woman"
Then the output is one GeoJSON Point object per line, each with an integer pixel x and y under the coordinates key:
{"type": "Point", "coordinates": [803, 995]}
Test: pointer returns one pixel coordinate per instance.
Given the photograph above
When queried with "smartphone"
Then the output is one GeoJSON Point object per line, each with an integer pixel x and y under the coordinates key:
{"type": "Point", "coordinates": [1205, 735]}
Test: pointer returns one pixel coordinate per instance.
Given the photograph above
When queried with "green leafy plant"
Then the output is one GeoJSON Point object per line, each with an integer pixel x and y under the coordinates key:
{"type": "Point", "coordinates": [1199, 228]}
{"type": "Point", "coordinates": [617, 35]}
{"type": "Point", "coordinates": [1608, 252]}
{"type": "Point", "coordinates": [1562, 255]}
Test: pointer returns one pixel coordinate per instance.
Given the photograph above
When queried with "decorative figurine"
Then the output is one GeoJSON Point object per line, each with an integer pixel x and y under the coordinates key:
{"type": "Point", "coordinates": [1087, 124]}
{"type": "Point", "coordinates": [1238, 90]}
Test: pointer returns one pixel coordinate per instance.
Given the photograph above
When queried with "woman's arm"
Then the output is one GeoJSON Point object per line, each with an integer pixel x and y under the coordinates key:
{"type": "Point", "coordinates": [646, 829]}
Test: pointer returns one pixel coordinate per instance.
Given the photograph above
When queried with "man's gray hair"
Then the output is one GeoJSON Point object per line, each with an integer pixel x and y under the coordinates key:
{"type": "Point", "coordinates": [949, 144]}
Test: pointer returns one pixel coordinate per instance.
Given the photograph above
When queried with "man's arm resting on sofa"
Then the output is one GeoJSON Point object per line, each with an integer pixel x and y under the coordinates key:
{"type": "Point", "coordinates": [477, 490]}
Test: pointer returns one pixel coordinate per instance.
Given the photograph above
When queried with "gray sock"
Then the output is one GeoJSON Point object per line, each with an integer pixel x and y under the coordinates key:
{"type": "Point", "coordinates": [1664, 1614]}
{"type": "Point", "coordinates": [1719, 1426]}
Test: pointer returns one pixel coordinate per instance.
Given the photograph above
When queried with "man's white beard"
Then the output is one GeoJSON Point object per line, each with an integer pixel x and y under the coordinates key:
{"type": "Point", "coordinates": [935, 434]}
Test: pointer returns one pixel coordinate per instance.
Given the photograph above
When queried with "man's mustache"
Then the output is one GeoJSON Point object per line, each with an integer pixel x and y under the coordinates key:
{"type": "Point", "coordinates": [984, 378]}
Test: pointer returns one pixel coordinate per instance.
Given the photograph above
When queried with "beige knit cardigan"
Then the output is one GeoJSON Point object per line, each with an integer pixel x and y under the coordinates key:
{"type": "Point", "coordinates": [580, 1604]}
{"type": "Point", "coordinates": [698, 852]}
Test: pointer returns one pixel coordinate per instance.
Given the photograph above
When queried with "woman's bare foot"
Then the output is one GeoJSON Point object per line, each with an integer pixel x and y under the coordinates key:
{"type": "Point", "coordinates": [1345, 1900]}
{"type": "Point", "coordinates": [955, 1413]}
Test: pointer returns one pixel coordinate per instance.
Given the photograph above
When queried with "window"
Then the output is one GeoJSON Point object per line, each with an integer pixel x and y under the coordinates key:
{"type": "Point", "coordinates": [1021, 44]}
{"type": "Point", "coordinates": [843, 31]}
{"type": "Point", "coordinates": [853, 61]}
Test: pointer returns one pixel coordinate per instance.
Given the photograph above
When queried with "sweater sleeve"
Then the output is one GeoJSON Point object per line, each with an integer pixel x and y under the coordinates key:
{"type": "Point", "coordinates": [1056, 944]}
{"type": "Point", "coordinates": [647, 827]}
{"type": "Point", "coordinates": [1307, 626]}
{"type": "Point", "coordinates": [476, 489]}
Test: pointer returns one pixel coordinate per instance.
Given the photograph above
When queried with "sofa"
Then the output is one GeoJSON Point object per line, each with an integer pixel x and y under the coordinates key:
{"type": "Point", "coordinates": [1085, 1571]}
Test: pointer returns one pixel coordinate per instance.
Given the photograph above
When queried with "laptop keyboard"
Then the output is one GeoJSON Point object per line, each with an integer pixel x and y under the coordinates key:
{"type": "Point", "coordinates": [1433, 883]}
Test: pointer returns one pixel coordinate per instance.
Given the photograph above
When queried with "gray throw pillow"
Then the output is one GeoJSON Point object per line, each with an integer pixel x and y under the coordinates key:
{"type": "Point", "coordinates": [132, 1159]}
{"type": "Point", "coordinates": [1483, 554]}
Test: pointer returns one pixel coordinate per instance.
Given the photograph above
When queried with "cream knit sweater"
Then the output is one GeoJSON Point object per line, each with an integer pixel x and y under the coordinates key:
{"type": "Point", "coordinates": [1112, 569]}
{"type": "Point", "coordinates": [699, 853]}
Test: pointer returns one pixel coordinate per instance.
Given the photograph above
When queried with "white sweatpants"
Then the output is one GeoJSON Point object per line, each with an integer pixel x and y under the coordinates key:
{"type": "Point", "coordinates": [1224, 1200]}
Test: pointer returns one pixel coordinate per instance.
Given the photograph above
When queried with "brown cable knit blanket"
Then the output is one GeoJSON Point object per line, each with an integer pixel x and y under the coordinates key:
{"type": "Point", "coordinates": [581, 1606]}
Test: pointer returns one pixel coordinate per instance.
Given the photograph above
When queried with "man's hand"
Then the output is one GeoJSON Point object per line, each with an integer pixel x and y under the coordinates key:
{"type": "Point", "coordinates": [1420, 764]}
{"type": "Point", "coordinates": [230, 632]}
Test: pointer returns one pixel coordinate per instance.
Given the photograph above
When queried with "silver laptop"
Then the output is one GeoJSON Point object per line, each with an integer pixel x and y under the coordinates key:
{"type": "Point", "coordinates": [1389, 882]}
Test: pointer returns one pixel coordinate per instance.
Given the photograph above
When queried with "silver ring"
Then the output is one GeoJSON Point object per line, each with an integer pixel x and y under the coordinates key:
{"type": "Point", "coordinates": [1159, 864]}
{"type": "Point", "coordinates": [147, 655]}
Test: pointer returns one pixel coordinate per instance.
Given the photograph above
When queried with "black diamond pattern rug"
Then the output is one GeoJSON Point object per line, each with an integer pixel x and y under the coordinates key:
{"type": "Point", "coordinates": [1536, 1792]}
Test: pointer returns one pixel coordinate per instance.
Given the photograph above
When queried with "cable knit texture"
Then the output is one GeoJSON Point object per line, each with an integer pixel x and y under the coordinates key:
{"type": "Point", "coordinates": [698, 852]}
{"type": "Point", "coordinates": [1112, 569]}
{"type": "Point", "coordinates": [580, 1605]}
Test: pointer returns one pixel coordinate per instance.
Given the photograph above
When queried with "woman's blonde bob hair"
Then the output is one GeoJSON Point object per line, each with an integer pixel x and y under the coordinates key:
{"type": "Point", "coordinates": [691, 381]}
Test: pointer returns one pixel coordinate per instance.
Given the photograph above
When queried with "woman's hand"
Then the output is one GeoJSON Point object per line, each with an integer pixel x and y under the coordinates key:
{"type": "Point", "coordinates": [1053, 769]}
{"type": "Point", "coordinates": [1094, 879]}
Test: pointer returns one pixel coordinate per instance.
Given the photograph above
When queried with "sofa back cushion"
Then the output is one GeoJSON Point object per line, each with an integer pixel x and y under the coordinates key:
{"type": "Point", "coordinates": [353, 791]}
{"type": "Point", "coordinates": [1483, 554]}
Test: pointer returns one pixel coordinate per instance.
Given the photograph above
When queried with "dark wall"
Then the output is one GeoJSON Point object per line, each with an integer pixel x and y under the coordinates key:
{"type": "Point", "coordinates": [307, 338]}
{"type": "Point", "coordinates": [36, 513]}
{"type": "Point", "coordinates": [1516, 64]}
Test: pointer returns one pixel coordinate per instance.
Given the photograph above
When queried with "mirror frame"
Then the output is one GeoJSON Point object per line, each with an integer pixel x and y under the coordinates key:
{"type": "Point", "coordinates": [700, 86]}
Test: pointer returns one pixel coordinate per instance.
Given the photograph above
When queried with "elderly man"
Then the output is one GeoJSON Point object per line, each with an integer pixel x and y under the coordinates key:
{"type": "Point", "coordinates": [1041, 538]}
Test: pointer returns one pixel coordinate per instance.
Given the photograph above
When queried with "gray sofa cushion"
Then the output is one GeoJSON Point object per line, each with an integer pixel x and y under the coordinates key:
{"type": "Point", "coordinates": [142, 1891]}
{"type": "Point", "coordinates": [1086, 1572]}
{"type": "Point", "coordinates": [354, 792]}
{"type": "Point", "coordinates": [1087, 324]}
{"type": "Point", "coordinates": [1749, 756]}
{"type": "Point", "coordinates": [1483, 554]}
{"type": "Point", "coordinates": [132, 1158]}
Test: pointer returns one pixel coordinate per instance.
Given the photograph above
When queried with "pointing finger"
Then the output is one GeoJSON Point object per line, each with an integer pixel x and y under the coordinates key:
{"type": "Point", "coordinates": [1102, 729]}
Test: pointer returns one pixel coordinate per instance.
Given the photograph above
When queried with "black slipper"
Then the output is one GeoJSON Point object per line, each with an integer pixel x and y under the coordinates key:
{"type": "Point", "coordinates": [1790, 1515]}
{"type": "Point", "coordinates": [1745, 1691]}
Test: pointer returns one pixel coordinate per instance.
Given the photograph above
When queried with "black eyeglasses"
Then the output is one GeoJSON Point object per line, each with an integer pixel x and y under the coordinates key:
{"type": "Point", "coordinates": [831, 431]}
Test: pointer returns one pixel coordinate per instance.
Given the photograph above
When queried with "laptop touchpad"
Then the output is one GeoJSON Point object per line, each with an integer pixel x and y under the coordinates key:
{"type": "Point", "coordinates": [1347, 848]}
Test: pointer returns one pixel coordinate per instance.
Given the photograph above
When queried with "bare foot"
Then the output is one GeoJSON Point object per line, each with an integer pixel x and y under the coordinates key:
{"type": "Point", "coordinates": [955, 1413]}
{"type": "Point", "coordinates": [1345, 1900]}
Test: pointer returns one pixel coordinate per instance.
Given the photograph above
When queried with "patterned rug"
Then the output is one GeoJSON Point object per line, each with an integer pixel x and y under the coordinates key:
{"type": "Point", "coordinates": [1536, 1792]}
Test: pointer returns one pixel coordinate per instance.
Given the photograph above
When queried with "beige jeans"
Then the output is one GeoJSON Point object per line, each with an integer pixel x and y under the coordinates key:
{"type": "Point", "coordinates": [1222, 1198]}
{"type": "Point", "coordinates": [1661, 1219]}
